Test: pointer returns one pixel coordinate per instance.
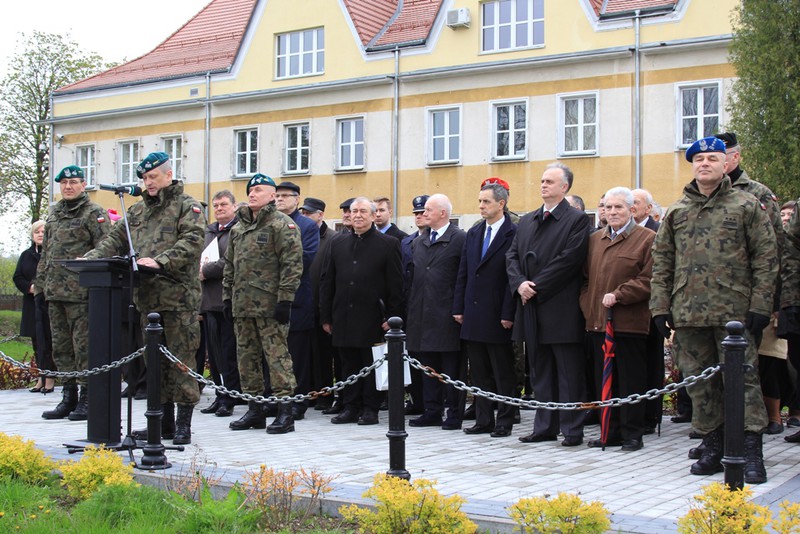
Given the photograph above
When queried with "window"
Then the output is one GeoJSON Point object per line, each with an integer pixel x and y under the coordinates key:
{"type": "Point", "coordinates": [350, 143]}
{"type": "Point", "coordinates": [128, 159]}
{"type": "Point", "coordinates": [301, 53]}
{"type": "Point", "coordinates": [511, 24]}
{"type": "Point", "coordinates": [85, 160]}
{"type": "Point", "coordinates": [445, 136]}
{"type": "Point", "coordinates": [298, 148]}
{"type": "Point", "coordinates": [698, 112]}
{"type": "Point", "coordinates": [174, 147]}
{"type": "Point", "coordinates": [246, 152]}
{"type": "Point", "coordinates": [509, 130]}
{"type": "Point", "coordinates": [578, 124]}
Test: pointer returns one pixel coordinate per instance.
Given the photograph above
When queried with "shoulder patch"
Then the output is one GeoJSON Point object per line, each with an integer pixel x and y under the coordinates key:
{"type": "Point", "coordinates": [291, 225]}
{"type": "Point", "coordinates": [763, 207]}
{"type": "Point", "coordinates": [101, 219]}
{"type": "Point", "coordinates": [196, 209]}
{"type": "Point", "coordinates": [773, 197]}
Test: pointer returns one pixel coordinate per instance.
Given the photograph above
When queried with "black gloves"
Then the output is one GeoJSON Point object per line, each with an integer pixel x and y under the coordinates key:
{"type": "Point", "coordinates": [227, 310]}
{"type": "Point", "coordinates": [282, 311]}
{"type": "Point", "coordinates": [664, 324]}
{"type": "Point", "coordinates": [755, 323]}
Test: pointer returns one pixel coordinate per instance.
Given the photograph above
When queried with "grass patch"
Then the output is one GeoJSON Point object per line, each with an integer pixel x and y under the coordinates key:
{"type": "Point", "coordinates": [9, 322]}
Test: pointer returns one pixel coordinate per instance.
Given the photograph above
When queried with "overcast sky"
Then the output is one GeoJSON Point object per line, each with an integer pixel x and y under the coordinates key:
{"type": "Point", "coordinates": [115, 30]}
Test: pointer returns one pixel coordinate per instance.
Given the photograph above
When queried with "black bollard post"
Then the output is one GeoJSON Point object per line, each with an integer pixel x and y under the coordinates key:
{"type": "Point", "coordinates": [733, 369]}
{"type": "Point", "coordinates": [397, 434]}
{"type": "Point", "coordinates": [154, 457]}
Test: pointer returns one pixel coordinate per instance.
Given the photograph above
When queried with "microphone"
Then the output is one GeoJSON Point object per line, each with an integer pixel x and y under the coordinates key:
{"type": "Point", "coordinates": [132, 190]}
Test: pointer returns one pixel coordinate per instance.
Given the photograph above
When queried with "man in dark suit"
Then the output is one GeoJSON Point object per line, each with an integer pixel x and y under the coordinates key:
{"type": "Point", "coordinates": [544, 266]}
{"type": "Point", "coordinates": [383, 218]}
{"type": "Point", "coordinates": [361, 287]}
{"type": "Point", "coordinates": [301, 324]}
{"type": "Point", "coordinates": [642, 205]}
{"type": "Point", "coordinates": [431, 330]}
{"type": "Point", "coordinates": [484, 306]}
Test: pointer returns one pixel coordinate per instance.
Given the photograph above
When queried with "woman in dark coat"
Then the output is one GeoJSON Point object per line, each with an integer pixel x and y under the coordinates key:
{"type": "Point", "coordinates": [35, 322]}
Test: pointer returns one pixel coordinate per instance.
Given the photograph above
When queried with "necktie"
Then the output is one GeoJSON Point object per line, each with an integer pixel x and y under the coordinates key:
{"type": "Point", "coordinates": [613, 235]}
{"type": "Point", "coordinates": [486, 241]}
{"type": "Point", "coordinates": [546, 215]}
{"type": "Point", "coordinates": [433, 236]}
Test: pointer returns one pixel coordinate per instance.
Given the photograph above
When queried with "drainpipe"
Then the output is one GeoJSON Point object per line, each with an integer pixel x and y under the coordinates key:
{"type": "Point", "coordinates": [51, 160]}
{"type": "Point", "coordinates": [395, 130]}
{"type": "Point", "coordinates": [207, 145]}
{"type": "Point", "coordinates": [637, 96]}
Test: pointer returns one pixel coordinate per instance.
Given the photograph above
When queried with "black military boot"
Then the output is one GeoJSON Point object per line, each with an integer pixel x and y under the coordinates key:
{"type": "Point", "coordinates": [299, 410]}
{"type": "Point", "coordinates": [183, 425]}
{"type": "Point", "coordinates": [710, 460]}
{"type": "Point", "coordinates": [69, 400]}
{"type": "Point", "coordinates": [754, 470]}
{"type": "Point", "coordinates": [696, 452]}
{"type": "Point", "coordinates": [284, 422]}
{"type": "Point", "coordinates": [81, 411]}
{"type": "Point", "coordinates": [255, 417]}
{"type": "Point", "coordinates": [167, 424]}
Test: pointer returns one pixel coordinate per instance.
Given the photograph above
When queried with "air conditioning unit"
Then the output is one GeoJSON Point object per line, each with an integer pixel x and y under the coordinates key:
{"type": "Point", "coordinates": [458, 18]}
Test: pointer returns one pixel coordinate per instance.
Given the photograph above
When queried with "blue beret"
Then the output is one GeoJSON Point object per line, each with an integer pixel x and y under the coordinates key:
{"type": "Point", "coordinates": [418, 203]}
{"type": "Point", "coordinates": [259, 179]}
{"type": "Point", "coordinates": [706, 144]}
{"type": "Point", "coordinates": [153, 160]}
{"type": "Point", "coordinates": [71, 171]}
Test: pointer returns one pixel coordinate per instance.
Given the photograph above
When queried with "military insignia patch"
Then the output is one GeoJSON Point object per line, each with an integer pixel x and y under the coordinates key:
{"type": "Point", "coordinates": [291, 225]}
{"type": "Point", "coordinates": [763, 207]}
{"type": "Point", "coordinates": [196, 209]}
{"type": "Point", "coordinates": [101, 219]}
{"type": "Point", "coordinates": [730, 222]}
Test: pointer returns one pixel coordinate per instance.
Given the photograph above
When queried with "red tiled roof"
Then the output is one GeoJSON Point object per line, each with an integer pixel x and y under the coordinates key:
{"type": "Point", "coordinates": [414, 22]}
{"type": "Point", "coordinates": [621, 6]}
{"type": "Point", "coordinates": [208, 42]}
{"type": "Point", "coordinates": [369, 17]}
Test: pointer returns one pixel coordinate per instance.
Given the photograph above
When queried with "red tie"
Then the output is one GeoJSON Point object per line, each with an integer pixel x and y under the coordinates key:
{"type": "Point", "coordinates": [546, 215]}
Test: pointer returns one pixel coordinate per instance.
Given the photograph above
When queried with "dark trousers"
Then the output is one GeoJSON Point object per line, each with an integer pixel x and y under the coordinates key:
{"type": "Point", "coordinates": [414, 389]}
{"type": "Point", "coordinates": [794, 358]}
{"type": "Point", "coordinates": [221, 346]}
{"type": "Point", "coordinates": [438, 396]}
{"type": "Point", "coordinates": [299, 342]}
{"type": "Point", "coordinates": [492, 369]}
{"type": "Point", "coordinates": [42, 340]}
{"type": "Point", "coordinates": [130, 337]}
{"type": "Point", "coordinates": [629, 376]}
{"type": "Point", "coordinates": [362, 394]}
{"type": "Point", "coordinates": [559, 375]}
{"type": "Point", "coordinates": [654, 355]}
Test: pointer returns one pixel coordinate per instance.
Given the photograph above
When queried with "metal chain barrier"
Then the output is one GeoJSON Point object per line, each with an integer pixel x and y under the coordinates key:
{"type": "Point", "coordinates": [9, 338]}
{"type": "Point", "coordinates": [327, 390]}
{"type": "Point", "coordinates": [534, 404]}
{"type": "Point", "coordinates": [73, 374]}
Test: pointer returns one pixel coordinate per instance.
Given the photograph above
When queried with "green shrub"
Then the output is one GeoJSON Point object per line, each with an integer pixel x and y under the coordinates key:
{"type": "Point", "coordinates": [225, 516]}
{"type": "Point", "coordinates": [97, 467]}
{"type": "Point", "coordinates": [564, 514]}
{"type": "Point", "coordinates": [126, 509]}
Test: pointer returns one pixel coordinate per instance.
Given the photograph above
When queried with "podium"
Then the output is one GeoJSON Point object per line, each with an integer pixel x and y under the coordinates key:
{"type": "Point", "coordinates": [106, 279]}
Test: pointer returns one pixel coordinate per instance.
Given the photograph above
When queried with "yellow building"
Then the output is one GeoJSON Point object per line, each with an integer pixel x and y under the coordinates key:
{"type": "Point", "coordinates": [408, 97]}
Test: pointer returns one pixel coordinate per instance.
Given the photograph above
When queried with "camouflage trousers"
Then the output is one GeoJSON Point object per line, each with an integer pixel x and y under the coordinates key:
{"type": "Point", "coordinates": [695, 350]}
{"type": "Point", "coordinates": [182, 338]}
{"type": "Point", "coordinates": [257, 336]}
{"type": "Point", "coordinates": [69, 325]}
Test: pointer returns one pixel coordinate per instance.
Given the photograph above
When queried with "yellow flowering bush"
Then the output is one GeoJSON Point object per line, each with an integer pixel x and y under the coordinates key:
{"type": "Point", "coordinates": [717, 509]}
{"type": "Point", "coordinates": [564, 514]}
{"type": "Point", "coordinates": [20, 459]}
{"type": "Point", "coordinates": [406, 508]}
{"type": "Point", "coordinates": [97, 467]}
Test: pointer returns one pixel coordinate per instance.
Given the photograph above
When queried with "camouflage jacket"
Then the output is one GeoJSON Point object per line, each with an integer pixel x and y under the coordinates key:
{"type": "Point", "coordinates": [790, 264]}
{"type": "Point", "coordinates": [263, 263]}
{"type": "Point", "coordinates": [169, 228]}
{"type": "Point", "coordinates": [73, 228]}
{"type": "Point", "coordinates": [767, 198]}
{"type": "Point", "coordinates": [714, 258]}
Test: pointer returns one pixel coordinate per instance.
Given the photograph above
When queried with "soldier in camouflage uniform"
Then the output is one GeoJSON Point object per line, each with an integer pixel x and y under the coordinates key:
{"type": "Point", "coordinates": [789, 320]}
{"type": "Point", "coordinates": [263, 266]}
{"type": "Point", "coordinates": [167, 229]}
{"type": "Point", "coordinates": [715, 260]}
{"type": "Point", "coordinates": [74, 226]}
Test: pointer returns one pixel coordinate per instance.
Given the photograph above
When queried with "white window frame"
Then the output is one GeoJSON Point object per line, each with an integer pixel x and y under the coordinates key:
{"type": "Point", "coordinates": [431, 136]}
{"type": "Point", "coordinates": [292, 51]}
{"type": "Point", "coordinates": [351, 147]}
{"type": "Point", "coordinates": [248, 152]}
{"type": "Point", "coordinates": [580, 126]}
{"type": "Point", "coordinates": [89, 166]}
{"type": "Point", "coordinates": [679, 116]}
{"type": "Point", "coordinates": [528, 25]}
{"type": "Point", "coordinates": [511, 132]}
{"type": "Point", "coordinates": [175, 158]}
{"type": "Point", "coordinates": [296, 150]}
{"type": "Point", "coordinates": [128, 157]}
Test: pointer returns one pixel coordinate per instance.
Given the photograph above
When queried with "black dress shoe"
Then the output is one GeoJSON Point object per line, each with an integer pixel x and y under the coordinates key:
{"type": "Point", "coordinates": [225, 409]}
{"type": "Point", "coordinates": [632, 445]}
{"type": "Point", "coordinates": [793, 422]}
{"type": "Point", "coordinates": [681, 418]}
{"type": "Point", "coordinates": [451, 424]}
{"type": "Point", "coordinates": [348, 415]}
{"type": "Point", "coordinates": [141, 394]}
{"type": "Point", "coordinates": [213, 407]}
{"type": "Point", "coordinates": [501, 431]}
{"type": "Point", "coordinates": [414, 410]}
{"type": "Point", "coordinates": [425, 420]}
{"type": "Point", "coordinates": [774, 427]}
{"type": "Point", "coordinates": [598, 443]}
{"type": "Point", "coordinates": [794, 438]}
{"type": "Point", "coordinates": [369, 417]}
{"type": "Point", "coordinates": [572, 441]}
{"type": "Point", "coordinates": [648, 430]}
{"type": "Point", "coordinates": [479, 429]}
{"type": "Point", "coordinates": [469, 413]}
{"type": "Point", "coordinates": [125, 392]}
{"type": "Point", "coordinates": [534, 438]}
{"type": "Point", "coordinates": [335, 408]}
